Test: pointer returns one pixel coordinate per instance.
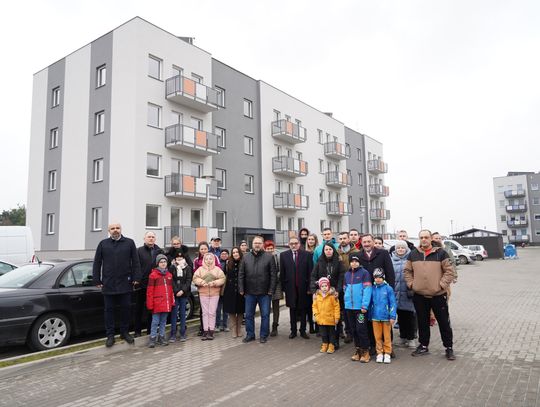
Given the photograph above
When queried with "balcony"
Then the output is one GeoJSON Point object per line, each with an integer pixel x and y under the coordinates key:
{"type": "Point", "coordinates": [190, 236]}
{"type": "Point", "coordinates": [518, 223]}
{"type": "Point", "coordinates": [336, 151]}
{"type": "Point", "coordinates": [377, 167]}
{"type": "Point", "coordinates": [289, 166]}
{"type": "Point", "coordinates": [378, 190]}
{"type": "Point", "coordinates": [519, 239]}
{"type": "Point", "coordinates": [184, 138]}
{"type": "Point", "coordinates": [288, 132]}
{"type": "Point", "coordinates": [516, 208]}
{"type": "Point", "coordinates": [187, 92]}
{"type": "Point", "coordinates": [339, 208]}
{"type": "Point", "coordinates": [379, 214]}
{"type": "Point", "coordinates": [517, 193]}
{"type": "Point", "coordinates": [289, 201]}
{"type": "Point", "coordinates": [338, 179]}
{"type": "Point", "coordinates": [282, 237]}
{"type": "Point", "coordinates": [190, 187]}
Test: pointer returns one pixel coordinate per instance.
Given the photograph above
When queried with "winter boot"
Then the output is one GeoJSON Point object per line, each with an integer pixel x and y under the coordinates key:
{"type": "Point", "coordinates": [210, 335]}
{"type": "Point", "coordinates": [274, 329]}
{"type": "Point", "coordinates": [152, 342]}
{"type": "Point", "coordinates": [204, 336]}
{"type": "Point", "coordinates": [324, 348]}
{"type": "Point", "coordinates": [161, 341]}
{"type": "Point", "coordinates": [356, 356]}
{"type": "Point", "coordinates": [331, 348]}
{"type": "Point", "coordinates": [364, 356]}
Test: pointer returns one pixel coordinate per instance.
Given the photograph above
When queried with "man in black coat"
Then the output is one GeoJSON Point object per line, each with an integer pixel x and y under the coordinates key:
{"type": "Point", "coordinates": [147, 257]}
{"type": "Point", "coordinates": [117, 271]}
{"type": "Point", "coordinates": [257, 278]}
{"type": "Point", "coordinates": [295, 267]}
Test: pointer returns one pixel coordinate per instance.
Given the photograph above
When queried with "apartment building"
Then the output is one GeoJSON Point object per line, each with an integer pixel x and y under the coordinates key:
{"type": "Point", "coordinates": [517, 207]}
{"type": "Point", "coordinates": [144, 128]}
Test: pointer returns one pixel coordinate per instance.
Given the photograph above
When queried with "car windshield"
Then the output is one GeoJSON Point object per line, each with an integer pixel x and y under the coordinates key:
{"type": "Point", "coordinates": [23, 275]}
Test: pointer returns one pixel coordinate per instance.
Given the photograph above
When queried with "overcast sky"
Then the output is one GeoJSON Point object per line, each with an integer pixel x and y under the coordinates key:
{"type": "Point", "coordinates": [451, 88]}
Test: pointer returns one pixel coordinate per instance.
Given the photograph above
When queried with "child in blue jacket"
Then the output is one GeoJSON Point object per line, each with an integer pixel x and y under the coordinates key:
{"type": "Point", "coordinates": [357, 296]}
{"type": "Point", "coordinates": [383, 315]}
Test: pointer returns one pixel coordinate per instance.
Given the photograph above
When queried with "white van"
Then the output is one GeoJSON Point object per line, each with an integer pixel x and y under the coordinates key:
{"type": "Point", "coordinates": [16, 244]}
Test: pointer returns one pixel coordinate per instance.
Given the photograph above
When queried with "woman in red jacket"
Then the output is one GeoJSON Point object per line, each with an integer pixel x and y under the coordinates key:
{"type": "Point", "coordinates": [159, 299]}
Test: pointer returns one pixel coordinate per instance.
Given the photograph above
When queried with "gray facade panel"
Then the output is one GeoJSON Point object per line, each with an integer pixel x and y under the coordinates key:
{"type": "Point", "coordinates": [97, 195]}
{"type": "Point", "coordinates": [243, 210]}
{"type": "Point", "coordinates": [359, 218]}
{"type": "Point", "coordinates": [53, 156]}
{"type": "Point", "coordinates": [534, 195]}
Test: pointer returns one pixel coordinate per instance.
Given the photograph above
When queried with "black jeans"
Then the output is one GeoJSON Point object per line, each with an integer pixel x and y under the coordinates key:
{"type": "Point", "coordinates": [358, 326]}
{"type": "Point", "coordinates": [275, 313]}
{"type": "Point", "coordinates": [328, 333]}
{"type": "Point", "coordinates": [142, 317]}
{"type": "Point", "coordinates": [439, 305]}
{"type": "Point", "coordinates": [302, 314]}
{"type": "Point", "coordinates": [407, 324]}
{"type": "Point", "coordinates": [124, 303]}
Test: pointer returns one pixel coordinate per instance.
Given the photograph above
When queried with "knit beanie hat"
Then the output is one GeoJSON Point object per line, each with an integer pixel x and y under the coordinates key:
{"type": "Point", "coordinates": [324, 280]}
{"type": "Point", "coordinates": [160, 257]}
{"type": "Point", "coordinates": [378, 273]}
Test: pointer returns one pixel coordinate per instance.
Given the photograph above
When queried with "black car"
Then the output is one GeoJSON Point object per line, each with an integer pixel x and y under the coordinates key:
{"type": "Point", "coordinates": [44, 304]}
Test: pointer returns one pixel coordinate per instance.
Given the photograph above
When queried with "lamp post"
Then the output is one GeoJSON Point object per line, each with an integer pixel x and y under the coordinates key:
{"type": "Point", "coordinates": [420, 222]}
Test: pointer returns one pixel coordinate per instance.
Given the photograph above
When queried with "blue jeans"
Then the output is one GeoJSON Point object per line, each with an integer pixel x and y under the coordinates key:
{"type": "Point", "coordinates": [179, 304]}
{"type": "Point", "coordinates": [264, 307]}
{"type": "Point", "coordinates": [221, 316]}
{"type": "Point", "coordinates": [159, 320]}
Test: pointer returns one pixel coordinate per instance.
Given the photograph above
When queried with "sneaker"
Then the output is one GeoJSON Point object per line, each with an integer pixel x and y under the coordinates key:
{"type": "Point", "coordinates": [396, 326]}
{"type": "Point", "coordinates": [172, 339]}
{"type": "Point", "coordinates": [248, 339]}
{"type": "Point", "coordinates": [450, 354]}
{"type": "Point", "coordinates": [183, 339]}
{"type": "Point", "coordinates": [387, 358]}
{"type": "Point", "coordinates": [404, 342]}
{"type": "Point", "coordinates": [380, 358]}
{"type": "Point", "coordinates": [221, 329]}
{"type": "Point", "coordinates": [263, 339]}
{"type": "Point", "coordinates": [412, 344]}
{"type": "Point", "coordinates": [420, 351]}
{"type": "Point", "coordinates": [226, 329]}
{"type": "Point", "coordinates": [152, 342]}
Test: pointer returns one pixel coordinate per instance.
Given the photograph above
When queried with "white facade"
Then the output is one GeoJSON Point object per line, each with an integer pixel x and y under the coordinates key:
{"type": "Point", "coordinates": [509, 223]}
{"type": "Point", "coordinates": [374, 151]}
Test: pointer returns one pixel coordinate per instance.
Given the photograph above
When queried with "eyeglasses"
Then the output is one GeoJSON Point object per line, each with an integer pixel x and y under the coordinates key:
{"type": "Point", "coordinates": [293, 243]}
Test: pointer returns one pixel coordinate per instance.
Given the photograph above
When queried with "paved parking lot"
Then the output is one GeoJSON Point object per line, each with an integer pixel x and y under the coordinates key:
{"type": "Point", "coordinates": [495, 312]}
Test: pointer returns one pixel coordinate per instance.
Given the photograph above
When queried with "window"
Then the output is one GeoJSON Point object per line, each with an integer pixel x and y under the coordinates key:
{"type": "Point", "coordinates": [55, 96]}
{"type": "Point", "coordinates": [101, 76]}
{"type": "Point", "coordinates": [154, 115]}
{"type": "Point", "coordinates": [154, 67]}
{"type": "Point", "coordinates": [152, 216]}
{"type": "Point", "coordinates": [97, 219]}
{"type": "Point", "coordinates": [290, 223]}
{"type": "Point", "coordinates": [221, 176]}
{"type": "Point", "coordinates": [321, 166]}
{"type": "Point", "coordinates": [98, 170]}
{"type": "Point", "coordinates": [220, 96]}
{"type": "Point", "coordinates": [196, 169]}
{"type": "Point", "coordinates": [248, 108]}
{"type": "Point", "coordinates": [248, 145]}
{"type": "Point", "coordinates": [52, 180]}
{"type": "Point", "coordinates": [50, 223]}
{"type": "Point", "coordinates": [322, 224]}
{"type": "Point", "coordinates": [536, 201]}
{"type": "Point", "coordinates": [534, 187]}
{"type": "Point", "coordinates": [177, 71]}
{"type": "Point", "coordinates": [176, 216]}
{"type": "Point", "coordinates": [196, 216]}
{"type": "Point", "coordinates": [537, 232]}
{"type": "Point", "coordinates": [221, 221]}
{"type": "Point", "coordinates": [503, 218]}
{"type": "Point", "coordinates": [301, 223]}
{"type": "Point", "coordinates": [248, 183]}
{"type": "Point", "coordinates": [196, 123]}
{"type": "Point", "coordinates": [221, 137]}
{"type": "Point", "coordinates": [99, 122]}
{"type": "Point", "coordinates": [359, 154]}
{"type": "Point", "coordinates": [537, 216]}
{"type": "Point", "coordinates": [504, 232]}
{"type": "Point", "coordinates": [53, 138]}
{"type": "Point", "coordinates": [277, 115]}
{"type": "Point", "coordinates": [278, 186]}
{"type": "Point", "coordinates": [320, 135]}
{"type": "Point", "coordinates": [278, 223]}
{"type": "Point", "coordinates": [197, 78]}
{"type": "Point", "coordinates": [153, 165]}
{"type": "Point", "coordinates": [321, 195]}
{"type": "Point", "coordinates": [300, 189]}
{"type": "Point", "coordinates": [360, 179]}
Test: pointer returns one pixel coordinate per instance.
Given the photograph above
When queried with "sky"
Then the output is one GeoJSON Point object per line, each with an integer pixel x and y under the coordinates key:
{"type": "Point", "coordinates": [451, 88]}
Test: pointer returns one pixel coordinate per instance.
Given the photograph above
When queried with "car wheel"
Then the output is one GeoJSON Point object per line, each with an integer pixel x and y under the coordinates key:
{"type": "Point", "coordinates": [479, 257]}
{"type": "Point", "coordinates": [463, 260]}
{"type": "Point", "coordinates": [50, 331]}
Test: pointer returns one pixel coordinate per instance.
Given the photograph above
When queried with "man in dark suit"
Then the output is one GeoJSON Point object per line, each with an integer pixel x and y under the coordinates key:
{"type": "Point", "coordinates": [295, 268]}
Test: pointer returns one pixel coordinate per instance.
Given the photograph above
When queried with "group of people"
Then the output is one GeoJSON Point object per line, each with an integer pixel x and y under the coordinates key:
{"type": "Point", "coordinates": [350, 288]}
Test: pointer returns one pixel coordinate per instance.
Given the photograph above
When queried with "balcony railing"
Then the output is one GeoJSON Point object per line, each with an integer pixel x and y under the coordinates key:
{"type": "Point", "coordinates": [188, 186]}
{"type": "Point", "coordinates": [289, 166]}
{"type": "Point", "coordinates": [379, 214]}
{"type": "Point", "coordinates": [289, 201]}
{"type": "Point", "coordinates": [338, 179]}
{"type": "Point", "coordinates": [379, 190]}
{"type": "Point", "coordinates": [377, 167]}
{"type": "Point", "coordinates": [336, 150]}
{"type": "Point", "coordinates": [516, 193]}
{"type": "Point", "coordinates": [188, 92]}
{"type": "Point", "coordinates": [282, 237]}
{"type": "Point", "coordinates": [185, 138]}
{"type": "Point", "coordinates": [518, 223]}
{"type": "Point", "coordinates": [339, 208]}
{"type": "Point", "coordinates": [289, 132]}
{"type": "Point", "coordinates": [519, 239]}
{"type": "Point", "coordinates": [190, 236]}
{"type": "Point", "coordinates": [516, 208]}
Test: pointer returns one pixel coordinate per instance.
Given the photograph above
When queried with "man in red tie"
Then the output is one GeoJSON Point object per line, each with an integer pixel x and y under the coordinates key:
{"type": "Point", "coordinates": [295, 272]}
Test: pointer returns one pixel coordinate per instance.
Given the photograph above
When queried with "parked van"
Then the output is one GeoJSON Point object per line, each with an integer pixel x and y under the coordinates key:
{"type": "Point", "coordinates": [465, 256]}
{"type": "Point", "coordinates": [16, 244]}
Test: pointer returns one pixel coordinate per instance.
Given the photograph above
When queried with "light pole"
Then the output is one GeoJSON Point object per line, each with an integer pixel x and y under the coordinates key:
{"type": "Point", "coordinates": [420, 222]}
{"type": "Point", "coordinates": [451, 226]}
